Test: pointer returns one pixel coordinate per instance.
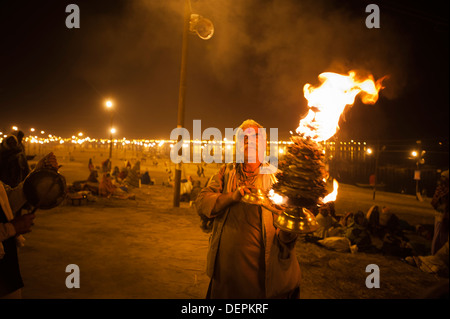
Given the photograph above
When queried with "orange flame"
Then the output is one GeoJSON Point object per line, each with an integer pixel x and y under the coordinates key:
{"type": "Point", "coordinates": [328, 101]}
{"type": "Point", "coordinates": [276, 198]}
{"type": "Point", "coordinates": [326, 105]}
{"type": "Point", "coordinates": [331, 197]}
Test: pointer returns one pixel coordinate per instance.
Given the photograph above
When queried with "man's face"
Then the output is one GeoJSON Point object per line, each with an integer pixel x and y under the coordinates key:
{"type": "Point", "coordinates": [251, 145]}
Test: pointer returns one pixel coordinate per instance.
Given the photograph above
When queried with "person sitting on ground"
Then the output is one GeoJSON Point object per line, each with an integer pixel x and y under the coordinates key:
{"type": "Point", "coordinates": [93, 177]}
{"type": "Point", "coordinates": [92, 183]}
{"type": "Point", "coordinates": [145, 179]}
{"type": "Point", "coordinates": [116, 171]}
{"type": "Point", "coordinates": [433, 264]}
{"type": "Point", "coordinates": [347, 219]}
{"type": "Point", "coordinates": [373, 218]}
{"type": "Point", "coordinates": [395, 243]}
{"type": "Point", "coordinates": [108, 189]}
{"type": "Point", "coordinates": [328, 225]}
{"type": "Point", "coordinates": [123, 174]}
{"type": "Point", "coordinates": [133, 176]}
{"type": "Point", "coordinates": [357, 231]}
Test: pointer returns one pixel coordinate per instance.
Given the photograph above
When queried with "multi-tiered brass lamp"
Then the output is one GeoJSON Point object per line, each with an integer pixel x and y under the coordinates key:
{"type": "Point", "coordinates": [301, 181]}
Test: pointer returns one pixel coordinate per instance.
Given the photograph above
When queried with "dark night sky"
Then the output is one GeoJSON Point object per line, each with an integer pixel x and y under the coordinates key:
{"type": "Point", "coordinates": [255, 66]}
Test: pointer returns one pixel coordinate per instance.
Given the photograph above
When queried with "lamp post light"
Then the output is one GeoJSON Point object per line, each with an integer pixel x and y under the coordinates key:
{"type": "Point", "coordinates": [109, 106]}
{"type": "Point", "coordinates": [377, 159]}
{"type": "Point", "coordinates": [418, 155]}
{"type": "Point", "coordinates": [204, 28]}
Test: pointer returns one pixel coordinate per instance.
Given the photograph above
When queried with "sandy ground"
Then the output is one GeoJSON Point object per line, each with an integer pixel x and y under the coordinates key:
{"type": "Point", "coordinates": [147, 249]}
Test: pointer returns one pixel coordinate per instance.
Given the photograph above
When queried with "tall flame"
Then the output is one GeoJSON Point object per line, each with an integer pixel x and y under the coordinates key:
{"type": "Point", "coordinates": [328, 101]}
{"type": "Point", "coordinates": [326, 104]}
{"type": "Point", "coordinates": [331, 197]}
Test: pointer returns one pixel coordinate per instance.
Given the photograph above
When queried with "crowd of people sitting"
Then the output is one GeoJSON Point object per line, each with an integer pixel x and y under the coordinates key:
{"type": "Point", "coordinates": [105, 181]}
{"type": "Point", "coordinates": [379, 230]}
{"type": "Point", "coordinates": [113, 183]}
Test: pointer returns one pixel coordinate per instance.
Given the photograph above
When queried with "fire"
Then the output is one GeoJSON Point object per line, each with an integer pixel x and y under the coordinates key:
{"type": "Point", "coordinates": [331, 197]}
{"type": "Point", "coordinates": [326, 104]}
{"type": "Point", "coordinates": [328, 101]}
{"type": "Point", "coordinates": [276, 198]}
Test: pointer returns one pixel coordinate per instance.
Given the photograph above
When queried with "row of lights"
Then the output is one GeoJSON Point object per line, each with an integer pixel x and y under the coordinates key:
{"type": "Point", "coordinates": [413, 153]}
{"type": "Point", "coordinates": [146, 143]}
{"type": "Point", "coordinates": [152, 143]}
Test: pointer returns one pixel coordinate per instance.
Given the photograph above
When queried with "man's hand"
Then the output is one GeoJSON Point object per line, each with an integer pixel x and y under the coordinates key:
{"type": "Point", "coordinates": [225, 200]}
{"type": "Point", "coordinates": [48, 161]}
{"type": "Point", "coordinates": [22, 224]}
{"type": "Point", "coordinates": [239, 193]}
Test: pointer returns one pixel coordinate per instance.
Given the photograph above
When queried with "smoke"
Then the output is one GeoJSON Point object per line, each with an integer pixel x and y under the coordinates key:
{"type": "Point", "coordinates": [263, 51]}
{"type": "Point", "coordinates": [273, 48]}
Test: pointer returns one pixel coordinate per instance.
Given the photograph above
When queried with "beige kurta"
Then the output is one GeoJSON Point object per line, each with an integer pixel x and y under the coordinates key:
{"type": "Point", "coordinates": [239, 270]}
{"type": "Point", "coordinates": [246, 258]}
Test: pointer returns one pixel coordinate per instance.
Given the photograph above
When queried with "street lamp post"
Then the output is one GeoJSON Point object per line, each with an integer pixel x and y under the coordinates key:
{"type": "Point", "coordinates": [112, 131]}
{"type": "Point", "coordinates": [204, 29]}
{"type": "Point", "coordinates": [109, 107]}
{"type": "Point", "coordinates": [377, 160]}
{"type": "Point", "coordinates": [419, 160]}
{"type": "Point", "coordinates": [181, 97]}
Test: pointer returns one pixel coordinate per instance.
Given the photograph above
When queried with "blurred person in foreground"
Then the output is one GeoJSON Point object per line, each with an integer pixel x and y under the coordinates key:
{"type": "Point", "coordinates": [440, 204]}
{"type": "Point", "coordinates": [12, 225]}
{"type": "Point", "coordinates": [248, 257]}
{"type": "Point", "coordinates": [13, 162]}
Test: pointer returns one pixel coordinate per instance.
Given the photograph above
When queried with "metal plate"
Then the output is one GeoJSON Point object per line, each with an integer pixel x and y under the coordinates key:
{"type": "Point", "coordinates": [45, 188]}
{"type": "Point", "coordinates": [256, 197]}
